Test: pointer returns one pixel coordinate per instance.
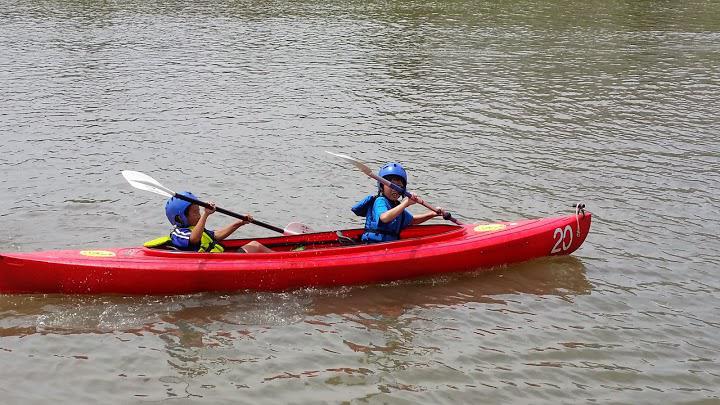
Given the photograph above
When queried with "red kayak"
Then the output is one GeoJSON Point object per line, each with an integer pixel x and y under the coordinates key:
{"type": "Point", "coordinates": [307, 260]}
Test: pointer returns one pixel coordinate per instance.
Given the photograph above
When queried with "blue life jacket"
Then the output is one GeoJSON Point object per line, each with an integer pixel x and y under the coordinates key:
{"type": "Point", "coordinates": [180, 238]}
{"type": "Point", "coordinates": [371, 207]}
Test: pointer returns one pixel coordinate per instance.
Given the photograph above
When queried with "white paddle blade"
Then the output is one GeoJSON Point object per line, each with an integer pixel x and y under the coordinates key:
{"type": "Point", "coordinates": [296, 228]}
{"type": "Point", "coordinates": [360, 165]}
{"type": "Point", "coordinates": [142, 181]}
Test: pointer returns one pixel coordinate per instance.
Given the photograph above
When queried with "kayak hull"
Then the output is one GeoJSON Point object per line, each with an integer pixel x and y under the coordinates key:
{"type": "Point", "coordinates": [423, 251]}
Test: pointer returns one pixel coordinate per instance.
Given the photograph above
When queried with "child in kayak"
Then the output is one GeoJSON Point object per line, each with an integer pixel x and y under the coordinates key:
{"type": "Point", "coordinates": [190, 233]}
{"type": "Point", "coordinates": [385, 216]}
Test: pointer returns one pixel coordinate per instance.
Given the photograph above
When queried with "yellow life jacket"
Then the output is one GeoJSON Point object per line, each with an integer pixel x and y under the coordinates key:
{"type": "Point", "coordinates": [207, 243]}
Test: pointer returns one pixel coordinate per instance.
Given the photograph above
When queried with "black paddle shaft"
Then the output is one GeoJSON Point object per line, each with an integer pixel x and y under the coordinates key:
{"type": "Point", "coordinates": [446, 215]}
{"type": "Point", "coordinates": [230, 213]}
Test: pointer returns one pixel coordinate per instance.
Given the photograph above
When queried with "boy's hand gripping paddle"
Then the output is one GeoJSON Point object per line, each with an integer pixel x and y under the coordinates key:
{"type": "Point", "coordinates": [142, 181]}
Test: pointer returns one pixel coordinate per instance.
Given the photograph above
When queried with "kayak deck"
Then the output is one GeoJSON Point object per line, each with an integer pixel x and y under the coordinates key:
{"type": "Point", "coordinates": [348, 238]}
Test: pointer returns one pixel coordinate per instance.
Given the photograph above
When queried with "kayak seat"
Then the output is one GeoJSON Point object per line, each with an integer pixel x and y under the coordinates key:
{"type": "Point", "coordinates": [162, 243]}
{"type": "Point", "coordinates": [345, 240]}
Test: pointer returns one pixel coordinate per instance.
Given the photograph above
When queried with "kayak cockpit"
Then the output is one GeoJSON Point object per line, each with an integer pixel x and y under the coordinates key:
{"type": "Point", "coordinates": [327, 240]}
{"type": "Point", "coordinates": [342, 238]}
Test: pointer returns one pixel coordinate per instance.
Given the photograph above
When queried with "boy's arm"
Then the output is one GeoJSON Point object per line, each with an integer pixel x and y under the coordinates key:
{"type": "Point", "coordinates": [197, 231]}
{"type": "Point", "coordinates": [387, 216]}
{"type": "Point", "coordinates": [419, 219]}
{"type": "Point", "coordinates": [196, 234]}
{"type": "Point", "coordinates": [228, 230]}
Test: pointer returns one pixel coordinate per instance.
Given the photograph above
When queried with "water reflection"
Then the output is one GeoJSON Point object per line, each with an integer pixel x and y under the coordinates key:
{"type": "Point", "coordinates": [551, 276]}
{"type": "Point", "coordinates": [394, 324]}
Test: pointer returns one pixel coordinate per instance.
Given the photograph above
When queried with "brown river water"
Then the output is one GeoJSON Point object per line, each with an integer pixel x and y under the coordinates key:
{"type": "Point", "coordinates": [499, 110]}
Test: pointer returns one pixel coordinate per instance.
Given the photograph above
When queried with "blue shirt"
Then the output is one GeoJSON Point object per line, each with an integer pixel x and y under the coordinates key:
{"type": "Point", "coordinates": [180, 238]}
{"type": "Point", "coordinates": [376, 230]}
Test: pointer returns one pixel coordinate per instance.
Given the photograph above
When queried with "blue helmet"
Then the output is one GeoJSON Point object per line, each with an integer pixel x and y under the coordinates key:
{"type": "Point", "coordinates": [393, 169]}
{"type": "Point", "coordinates": [176, 209]}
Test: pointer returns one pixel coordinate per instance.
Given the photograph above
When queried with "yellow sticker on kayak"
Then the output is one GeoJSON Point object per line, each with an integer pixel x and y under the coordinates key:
{"type": "Point", "coordinates": [489, 227]}
{"type": "Point", "coordinates": [97, 253]}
